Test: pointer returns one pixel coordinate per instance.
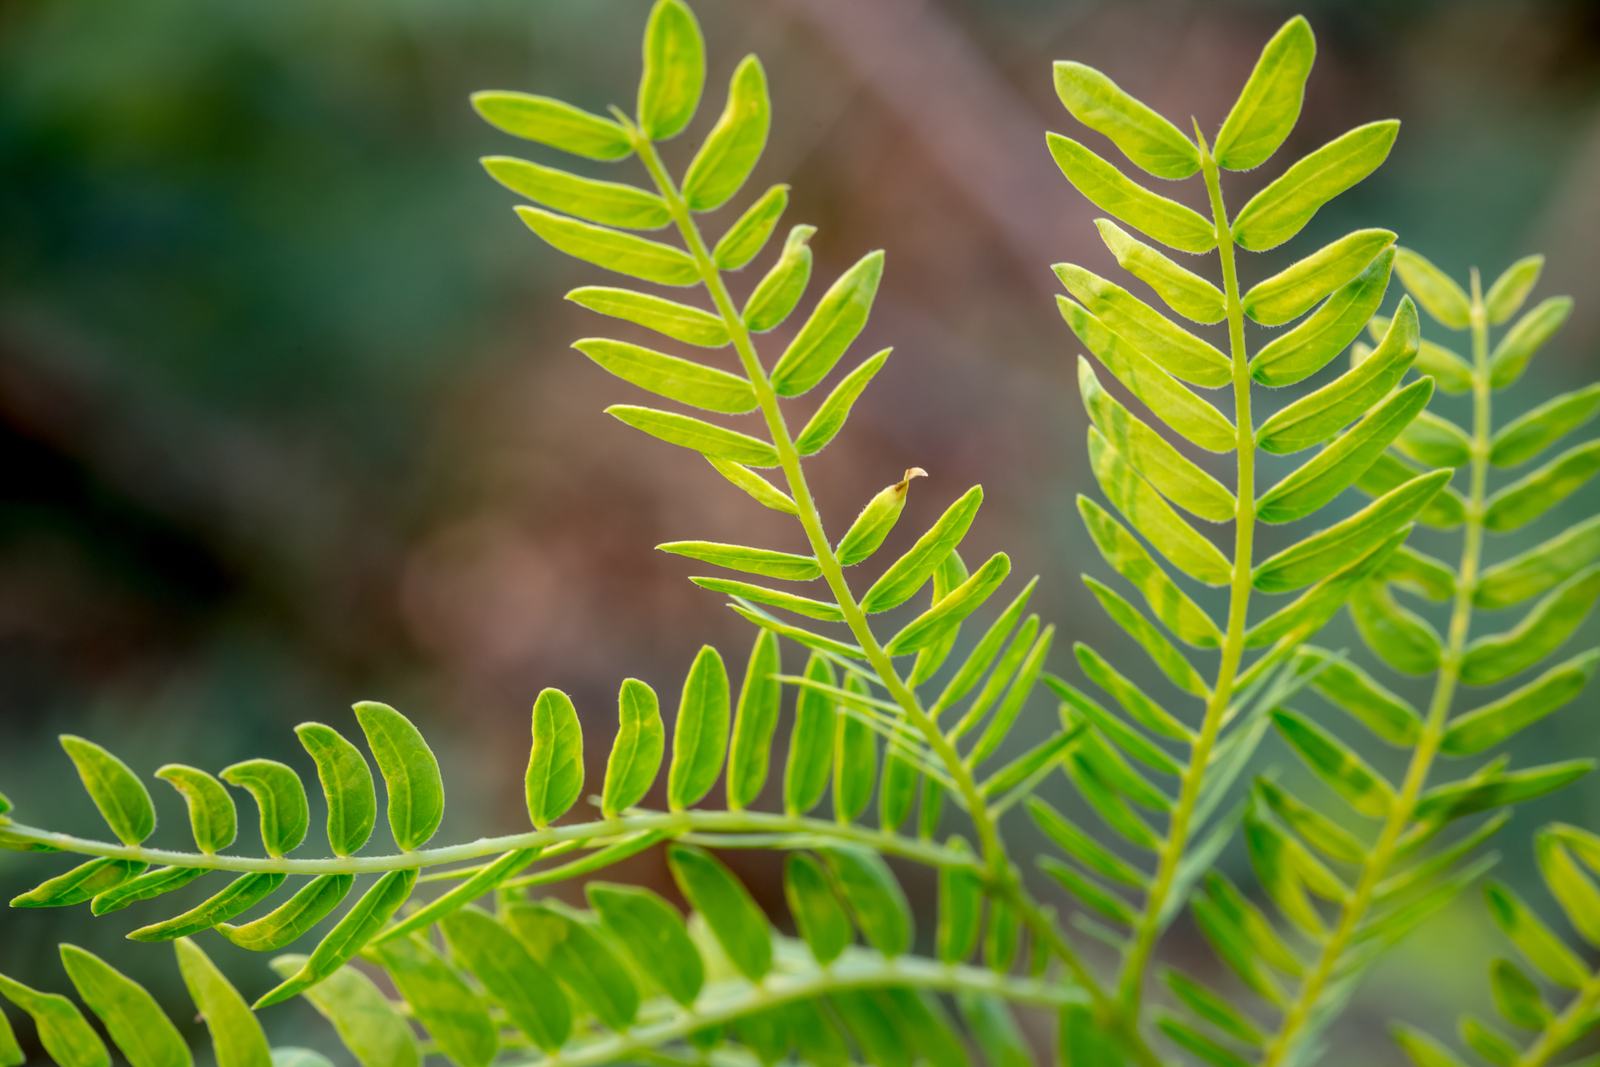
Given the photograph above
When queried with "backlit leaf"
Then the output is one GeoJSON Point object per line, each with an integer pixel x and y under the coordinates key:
{"type": "Point", "coordinates": [1526, 436]}
{"type": "Point", "coordinates": [346, 784]}
{"type": "Point", "coordinates": [1269, 104]}
{"type": "Point", "coordinates": [1172, 347]}
{"type": "Point", "coordinates": [1133, 699]}
{"type": "Point", "coordinates": [1499, 656]}
{"type": "Point", "coordinates": [367, 1022]}
{"type": "Point", "coordinates": [552, 122]}
{"type": "Point", "coordinates": [1310, 346]}
{"type": "Point", "coordinates": [1457, 799]}
{"type": "Point", "coordinates": [754, 721]}
{"type": "Point", "coordinates": [1537, 569]}
{"type": "Point", "coordinates": [746, 237]}
{"type": "Point", "coordinates": [636, 753]}
{"type": "Point", "coordinates": [606, 203]}
{"type": "Point", "coordinates": [932, 624]}
{"type": "Point", "coordinates": [1506, 295]}
{"type": "Point", "coordinates": [810, 756]}
{"type": "Point", "coordinates": [456, 1019]}
{"type": "Point", "coordinates": [831, 415]}
{"type": "Point", "coordinates": [1476, 730]}
{"type": "Point", "coordinates": [134, 1020]}
{"type": "Point", "coordinates": [1578, 896]}
{"type": "Point", "coordinates": [281, 797]}
{"type": "Point", "coordinates": [734, 143]}
{"type": "Point", "coordinates": [873, 896]}
{"type": "Point", "coordinates": [410, 773]}
{"type": "Point", "coordinates": [873, 524]}
{"type": "Point", "coordinates": [1279, 211]}
{"type": "Point", "coordinates": [554, 779]}
{"type": "Point", "coordinates": [818, 915]}
{"type": "Point", "coordinates": [676, 379]}
{"type": "Point", "coordinates": [1419, 573]}
{"type": "Point", "coordinates": [1389, 716]}
{"type": "Point", "coordinates": [681, 322]}
{"type": "Point", "coordinates": [576, 956]}
{"type": "Point", "coordinates": [1532, 495]}
{"type": "Point", "coordinates": [1290, 293]}
{"type": "Point", "coordinates": [1335, 763]}
{"type": "Point", "coordinates": [1435, 441]}
{"type": "Point", "coordinates": [765, 493]}
{"type": "Point", "coordinates": [738, 923]}
{"type": "Point", "coordinates": [1184, 291]}
{"type": "Point", "coordinates": [1435, 290]}
{"type": "Point", "coordinates": [1317, 830]}
{"type": "Point", "coordinates": [674, 70]}
{"type": "Point", "coordinates": [624, 253]}
{"type": "Point", "coordinates": [349, 936]}
{"type": "Point", "coordinates": [1406, 641]}
{"type": "Point", "coordinates": [1166, 657]}
{"type": "Point", "coordinates": [1144, 136]}
{"type": "Point", "coordinates": [1424, 1050]}
{"type": "Point", "coordinates": [703, 437]}
{"type": "Point", "coordinates": [1154, 517]}
{"type": "Point", "coordinates": [1525, 338]}
{"type": "Point", "coordinates": [836, 321]}
{"type": "Point", "coordinates": [243, 893]}
{"type": "Point", "coordinates": [145, 887]}
{"type": "Point", "coordinates": [1541, 947]}
{"type": "Point", "coordinates": [783, 565]}
{"type": "Point", "coordinates": [294, 917]}
{"type": "Point", "coordinates": [1517, 997]}
{"type": "Point", "coordinates": [1445, 511]}
{"type": "Point", "coordinates": [653, 934]}
{"type": "Point", "coordinates": [1081, 846]}
{"type": "Point", "coordinates": [236, 1038]}
{"type": "Point", "coordinates": [1167, 601]}
{"type": "Point", "coordinates": [1114, 193]}
{"type": "Point", "coordinates": [123, 800]}
{"type": "Point", "coordinates": [212, 815]}
{"type": "Point", "coordinates": [911, 571]}
{"type": "Point", "coordinates": [776, 295]}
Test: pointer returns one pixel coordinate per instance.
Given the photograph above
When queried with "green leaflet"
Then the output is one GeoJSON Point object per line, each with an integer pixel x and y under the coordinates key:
{"type": "Point", "coordinates": [830, 417]}
{"type": "Point", "coordinates": [607, 203]}
{"type": "Point", "coordinates": [1231, 944]}
{"type": "Point", "coordinates": [1541, 947]}
{"type": "Point", "coordinates": [491, 877]}
{"type": "Point", "coordinates": [1251, 923]}
{"type": "Point", "coordinates": [1389, 716]}
{"type": "Point", "coordinates": [870, 1017]}
{"type": "Point", "coordinates": [1537, 569]}
{"type": "Point", "coordinates": [1435, 442]}
{"type": "Point", "coordinates": [1173, 403]}
{"type": "Point", "coordinates": [1421, 574]}
{"type": "Point", "coordinates": [1525, 437]}
{"type": "Point", "coordinates": [212, 815]}
{"type": "Point", "coordinates": [1325, 552]}
{"type": "Point", "coordinates": [1506, 295]}
{"type": "Point", "coordinates": [1569, 885]}
{"type": "Point", "coordinates": [653, 934]}
{"type": "Point", "coordinates": [1290, 293]}
{"type": "Point", "coordinates": [1129, 558]}
{"type": "Point", "coordinates": [346, 783]}
{"type": "Point", "coordinates": [1336, 467]}
{"type": "Point", "coordinates": [1349, 775]}
{"type": "Point", "coordinates": [780, 290]}
{"type": "Point", "coordinates": [624, 253]}
{"type": "Point", "coordinates": [1184, 291]}
{"type": "Point", "coordinates": [1286, 870]}
{"type": "Point", "coordinates": [911, 571]}
{"type": "Point", "coordinates": [960, 912]}
{"type": "Point", "coordinates": [1162, 465]}
{"type": "Point", "coordinates": [1081, 846]}
{"type": "Point", "coordinates": [1212, 1008]}
{"type": "Point", "coordinates": [1143, 135]}
{"type": "Point", "coordinates": [1457, 799]}
{"type": "Point", "coordinates": [1173, 348]}
{"type": "Point", "coordinates": [836, 321]}
{"type": "Point", "coordinates": [294, 917]}
{"type": "Point", "coordinates": [1486, 1042]}
{"type": "Point", "coordinates": [994, 1031]}
{"type": "Point", "coordinates": [123, 800]}
{"type": "Point", "coordinates": [783, 565]}
{"type": "Point", "coordinates": [349, 936]}
{"type": "Point", "coordinates": [810, 758]}
{"type": "Point", "coordinates": [1445, 511]}
{"type": "Point", "coordinates": [811, 609]}
{"type": "Point", "coordinates": [674, 70]}
{"type": "Point", "coordinates": [875, 521]}
{"type": "Point", "coordinates": [734, 143]}
{"type": "Point", "coordinates": [1269, 104]}
{"type": "Point", "coordinates": [1309, 347]}
{"type": "Point", "coordinates": [1193, 1041]}
{"type": "Point", "coordinates": [236, 1037]}
{"type": "Point", "coordinates": [410, 773]}
{"type": "Point", "coordinates": [984, 652]}
{"type": "Point", "coordinates": [1495, 658]}
{"type": "Point", "coordinates": [765, 493]}
{"type": "Point", "coordinates": [816, 1036]}
{"type": "Point", "coordinates": [456, 1019]}
{"type": "Point", "coordinates": [713, 891]}
{"type": "Point", "coordinates": [552, 122]}
{"type": "Point", "coordinates": [678, 321]}
{"type": "Point", "coordinates": [746, 237]}
{"type": "Point", "coordinates": [10, 1052]}
{"type": "Point", "coordinates": [518, 983]}
{"type": "Point", "coordinates": [898, 790]}
{"type": "Point", "coordinates": [754, 721]}
{"type": "Point", "coordinates": [1532, 495]}
{"type": "Point", "coordinates": [1111, 769]}
{"type": "Point", "coordinates": [929, 627]}
{"type": "Point", "coordinates": [1423, 1050]}
{"type": "Point", "coordinates": [1525, 338]}
{"type": "Point", "coordinates": [765, 1034]}
{"type": "Point", "coordinates": [1476, 730]}
{"type": "Point", "coordinates": [1319, 831]}
{"type": "Point", "coordinates": [1517, 997]}
{"type": "Point", "coordinates": [873, 896]}
{"type": "Point", "coordinates": [243, 893]}
{"type": "Point", "coordinates": [703, 437]}
{"type": "Point", "coordinates": [82, 883]}
{"type": "Point", "coordinates": [636, 753]}
{"type": "Point", "coordinates": [1169, 659]}
{"type": "Point", "coordinates": [367, 1022]}
{"type": "Point", "coordinates": [1154, 517]}
{"type": "Point", "coordinates": [947, 576]}
{"type": "Point", "coordinates": [817, 642]}
{"type": "Point", "coordinates": [676, 379]}
{"type": "Point", "coordinates": [1000, 939]}
{"type": "Point", "coordinates": [1453, 373]}
{"type": "Point", "coordinates": [63, 1031]}
{"type": "Point", "coordinates": [1133, 700]}
{"type": "Point", "coordinates": [1016, 652]}
{"type": "Point", "coordinates": [1038, 760]}
{"type": "Point", "coordinates": [281, 797]}
{"type": "Point", "coordinates": [1407, 642]}
{"type": "Point", "coordinates": [1435, 290]}
{"type": "Point", "coordinates": [135, 1022]}
{"type": "Point", "coordinates": [576, 956]}
{"type": "Point", "coordinates": [855, 754]}
{"type": "Point", "coordinates": [1279, 211]}
{"type": "Point", "coordinates": [1110, 190]}
{"type": "Point", "coordinates": [1081, 1039]}
{"type": "Point", "coordinates": [1319, 415]}
{"type": "Point", "coordinates": [555, 763]}
{"type": "Point", "coordinates": [145, 887]}
{"type": "Point", "coordinates": [818, 915]}
{"type": "Point", "coordinates": [1318, 604]}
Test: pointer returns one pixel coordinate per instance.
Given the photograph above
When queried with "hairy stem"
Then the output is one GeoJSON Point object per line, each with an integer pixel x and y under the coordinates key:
{"type": "Point", "coordinates": [1381, 856]}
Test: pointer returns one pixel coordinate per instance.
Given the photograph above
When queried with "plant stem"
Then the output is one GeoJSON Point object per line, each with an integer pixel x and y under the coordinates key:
{"type": "Point", "coordinates": [1379, 858]}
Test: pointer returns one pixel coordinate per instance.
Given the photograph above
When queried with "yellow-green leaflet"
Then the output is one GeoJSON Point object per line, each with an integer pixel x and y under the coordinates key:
{"type": "Point", "coordinates": [782, 565]}
{"type": "Point", "coordinates": [1154, 517]}
{"type": "Point", "coordinates": [63, 1031]}
{"type": "Point", "coordinates": [533, 1001]}
{"type": "Point", "coordinates": [1319, 831]}
{"type": "Point", "coordinates": [749, 234]}
{"type": "Point", "coordinates": [607, 203]}
{"type": "Point", "coordinates": [1497, 657]}
{"type": "Point", "coordinates": [346, 783]}
{"type": "Point", "coordinates": [1114, 193]}
{"type": "Point", "coordinates": [1290, 293]}
{"type": "Point", "coordinates": [1000, 940]}
{"type": "Point", "coordinates": [1184, 291]}
{"type": "Point", "coordinates": [1114, 729]}
{"type": "Point", "coordinates": [1108, 904]}
{"type": "Point", "coordinates": [236, 1037]}
{"type": "Point", "coordinates": [1570, 886]}
{"type": "Point", "coordinates": [555, 764]}
{"type": "Point", "coordinates": [486, 879]}
{"type": "Point", "coordinates": [1079, 845]}
{"type": "Point", "coordinates": [1435, 290]}
{"type": "Point", "coordinates": [1143, 135]}
{"type": "Point", "coordinates": [456, 1019]}
{"type": "Point", "coordinates": [875, 521]}
{"type": "Point", "coordinates": [1445, 511]}
{"type": "Point", "coordinates": [738, 923]}
{"type": "Point", "coordinates": [281, 797]}
{"type": "Point", "coordinates": [703, 437]}
{"type": "Point", "coordinates": [1424, 1050]}
{"type": "Point", "coordinates": [838, 318]}
{"type": "Point", "coordinates": [135, 1022]}
{"type": "Point", "coordinates": [622, 252]}
{"type": "Point", "coordinates": [754, 721]}
{"type": "Point", "coordinates": [1506, 295]}
{"type": "Point", "coordinates": [1517, 998]}
{"type": "Point", "coordinates": [1279, 211]}
{"type": "Point", "coordinates": [1108, 804]}
{"type": "Point", "coordinates": [811, 609]}
{"type": "Point", "coordinates": [122, 799]}
{"type": "Point", "coordinates": [1163, 466]}
{"type": "Point", "coordinates": [734, 143]}
{"type": "Point", "coordinates": [805, 776]}
{"type": "Point", "coordinates": [579, 960]}
{"type": "Point", "coordinates": [1286, 870]}
{"type": "Point", "coordinates": [636, 753]}
{"type": "Point", "coordinates": [1407, 642]}
{"type": "Point", "coordinates": [1389, 716]}
{"type": "Point", "coordinates": [1526, 436]}
{"type": "Point", "coordinates": [911, 571]}
{"type": "Point", "coordinates": [855, 754]}
{"type": "Point", "coordinates": [765, 493]}
{"type": "Point", "coordinates": [830, 417]}
{"type": "Point", "coordinates": [1310, 346]}
{"type": "Point", "coordinates": [1175, 349]}
{"type": "Point", "coordinates": [681, 322]}
{"type": "Point", "coordinates": [1269, 104]}
{"type": "Point", "coordinates": [82, 883]}
{"type": "Point", "coordinates": [700, 736]}
{"type": "Point", "coordinates": [146, 886]}
{"type": "Point", "coordinates": [1316, 606]}
{"type": "Point", "coordinates": [1453, 373]}
{"type": "Point", "coordinates": [410, 773]}
{"type": "Point", "coordinates": [1005, 716]}
{"type": "Point", "coordinates": [1139, 707]}
{"type": "Point", "coordinates": [349, 936]}
{"type": "Point", "coordinates": [873, 896]}
{"type": "Point", "coordinates": [1525, 338]}
{"type": "Point", "coordinates": [212, 815]}
{"type": "Point", "coordinates": [1541, 947]}
{"type": "Point", "coordinates": [947, 576]}
{"type": "Point", "coordinates": [1212, 1008]}
{"type": "Point", "coordinates": [1421, 574]}
{"type": "Point", "coordinates": [1172, 402]}
{"type": "Point", "coordinates": [653, 934]}
{"type": "Point", "coordinates": [1537, 569]}
{"type": "Point", "coordinates": [243, 893]}
{"type": "Point", "coordinates": [1435, 442]}
{"type": "Point", "coordinates": [676, 379]}
{"type": "Point", "coordinates": [1114, 771]}
{"type": "Point", "coordinates": [552, 122]}
{"type": "Point", "coordinates": [1348, 774]}
{"type": "Point", "coordinates": [674, 70]}
{"type": "Point", "coordinates": [1336, 467]}
{"type": "Point", "coordinates": [1168, 658]}
{"type": "Point", "coordinates": [367, 1022]}
{"type": "Point", "coordinates": [960, 911]}
{"type": "Point", "coordinates": [984, 652]}
{"type": "Point", "coordinates": [10, 1052]}
{"type": "Point", "coordinates": [1476, 730]}
{"type": "Point", "coordinates": [1528, 498]}
{"type": "Point", "coordinates": [294, 917]}
{"type": "Point", "coordinates": [933, 624]}
{"type": "Point", "coordinates": [776, 295]}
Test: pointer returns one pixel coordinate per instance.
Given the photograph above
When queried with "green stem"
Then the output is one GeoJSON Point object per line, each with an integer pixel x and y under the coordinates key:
{"type": "Point", "coordinates": [1381, 856]}
{"type": "Point", "coordinates": [1565, 1028]}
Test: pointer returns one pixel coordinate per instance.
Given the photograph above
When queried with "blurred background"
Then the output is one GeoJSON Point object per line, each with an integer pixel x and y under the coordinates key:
{"type": "Point", "coordinates": [288, 416]}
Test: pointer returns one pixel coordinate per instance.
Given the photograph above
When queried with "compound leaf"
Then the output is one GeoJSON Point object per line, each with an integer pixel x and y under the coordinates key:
{"type": "Point", "coordinates": [911, 571]}
{"type": "Point", "coordinates": [1154, 517]}
{"type": "Point", "coordinates": [1499, 656]}
{"type": "Point", "coordinates": [241, 894]}
{"type": "Point", "coordinates": [782, 565]}
{"type": "Point", "coordinates": [1166, 657]}
{"type": "Point", "coordinates": [776, 295]}
{"type": "Point", "coordinates": [929, 627]}
{"type": "Point", "coordinates": [746, 237]}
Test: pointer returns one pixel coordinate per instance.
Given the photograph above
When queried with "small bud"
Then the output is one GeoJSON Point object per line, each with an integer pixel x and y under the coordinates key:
{"type": "Point", "coordinates": [876, 520]}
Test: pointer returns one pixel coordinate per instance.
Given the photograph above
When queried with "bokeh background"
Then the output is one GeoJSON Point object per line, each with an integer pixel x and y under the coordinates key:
{"type": "Point", "coordinates": [288, 416]}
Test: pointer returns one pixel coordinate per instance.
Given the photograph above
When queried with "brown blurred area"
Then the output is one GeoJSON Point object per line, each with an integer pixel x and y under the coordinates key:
{"type": "Point", "coordinates": [289, 417]}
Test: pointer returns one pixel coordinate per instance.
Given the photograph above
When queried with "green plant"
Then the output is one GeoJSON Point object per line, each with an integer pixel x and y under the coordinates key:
{"type": "Point", "coordinates": [628, 979]}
